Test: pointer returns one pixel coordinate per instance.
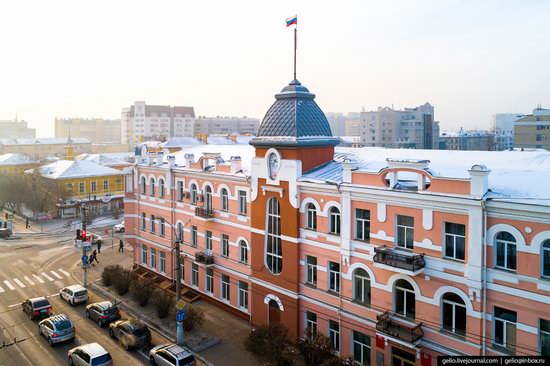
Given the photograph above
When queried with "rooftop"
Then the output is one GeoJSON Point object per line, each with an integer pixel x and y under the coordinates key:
{"type": "Point", "coordinates": [15, 159]}
{"type": "Point", "coordinates": [46, 141]}
{"type": "Point", "coordinates": [62, 169]}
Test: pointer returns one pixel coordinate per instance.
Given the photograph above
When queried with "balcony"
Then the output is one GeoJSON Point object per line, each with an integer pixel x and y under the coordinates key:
{"type": "Point", "coordinates": [398, 331]}
{"type": "Point", "coordinates": [206, 259]}
{"type": "Point", "coordinates": [399, 261]}
{"type": "Point", "coordinates": [204, 212]}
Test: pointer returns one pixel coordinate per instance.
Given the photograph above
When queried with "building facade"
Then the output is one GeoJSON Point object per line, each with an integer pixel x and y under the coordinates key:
{"type": "Point", "coordinates": [477, 140]}
{"type": "Point", "coordinates": [397, 255]}
{"type": "Point", "coordinates": [142, 122]}
{"type": "Point", "coordinates": [226, 126]}
{"type": "Point", "coordinates": [16, 129]}
{"type": "Point", "coordinates": [41, 148]}
{"type": "Point", "coordinates": [533, 131]}
{"type": "Point", "coordinates": [409, 128]}
{"type": "Point", "coordinates": [12, 165]}
{"type": "Point", "coordinates": [98, 130]}
{"type": "Point", "coordinates": [340, 123]}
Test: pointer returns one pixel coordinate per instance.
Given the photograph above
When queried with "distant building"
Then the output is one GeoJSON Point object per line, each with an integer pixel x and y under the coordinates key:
{"type": "Point", "coordinates": [505, 121]}
{"type": "Point", "coordinates": [117, 161]}
{"type": "Point", "coordinates": [467, 140]}
{"type": "Point", "coordinates": [226, 125]}
{"type": "Point", "coordinates": [40, 148]}
{"type": "Point", "coordinates": [142, 122]}
{"type": "Point", "coordinates": [16, 129]}
{"type": "Point", "coordinates": [533, 131]}
{"type": "Point", "coordinates": [98, 130]}
{"type": "Point", "coordinates": [13, 164]}
{"type": "Point", "coordinates": [339, 121]}
{"type": "Point", "coordinates": [409, 128]}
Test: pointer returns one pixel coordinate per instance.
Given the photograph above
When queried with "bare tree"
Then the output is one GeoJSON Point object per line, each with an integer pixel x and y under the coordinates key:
{"type": "Point", "coordinates": [315, 348]}
{"type": "Point", "coordinates": [271, 344]}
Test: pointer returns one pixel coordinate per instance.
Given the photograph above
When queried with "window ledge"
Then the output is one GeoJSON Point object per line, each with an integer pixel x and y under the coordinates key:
{"type": "Point", "coordinates": [333, 293]}
{"type": "Point", "coordinates": [310, 285]}
{"type": "Point", "coordinates": [505, 270]}
{"type": "Point", "coordinates": [361, 303]}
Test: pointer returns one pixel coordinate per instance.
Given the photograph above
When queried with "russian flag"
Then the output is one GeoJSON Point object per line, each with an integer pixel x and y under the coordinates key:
{"type": "Point", "coordinates": [292, 20]}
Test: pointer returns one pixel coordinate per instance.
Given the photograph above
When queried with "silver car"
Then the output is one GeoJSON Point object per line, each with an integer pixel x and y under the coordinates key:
{"type": "Point", "coordinates": [91, 354]}
{"type": "Point", "coordinates": [57, 329]}
{"type": "Point", "coordinates": [171, 355]}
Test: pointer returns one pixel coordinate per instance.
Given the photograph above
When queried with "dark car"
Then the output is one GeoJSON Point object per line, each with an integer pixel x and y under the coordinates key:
{"type": "Point", "coordinates": [36, 308]}
{"type": "Point", "coordinates": [102, 312]}
{"type": "Point", "coordinates": [131, 333]}
{"type": "Point", "coordinates": [5, 232]}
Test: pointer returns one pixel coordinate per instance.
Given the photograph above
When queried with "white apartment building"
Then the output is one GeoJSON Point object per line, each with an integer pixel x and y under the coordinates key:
{"type": "Point", "coordinates": [141, 122]}
{"type": "Point", "coordinates": [226, 125]}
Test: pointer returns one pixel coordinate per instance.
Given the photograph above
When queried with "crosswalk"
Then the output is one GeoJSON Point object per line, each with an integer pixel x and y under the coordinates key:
{"type": "Point", "coordinates": [44, 277]}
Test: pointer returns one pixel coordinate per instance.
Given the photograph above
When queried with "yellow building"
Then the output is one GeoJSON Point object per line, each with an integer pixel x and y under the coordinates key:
{"type": "Point", "coordinates": [15, 164]}
{"type": "Point", "coordinates": [533, 131]}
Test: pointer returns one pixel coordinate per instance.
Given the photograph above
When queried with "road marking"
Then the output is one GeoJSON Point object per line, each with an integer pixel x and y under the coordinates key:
{"type": "Point", "coordinates": [140, 351]}
{"type": "Point", "coordinates": [29, 280]}
{"type": "Point", "coordinates": [21, 284]}
{"type": "Point", "coordinates": [14, 305]}
{"type": "Point", "coordinates": [47, 277]}
{"type": "Point", "coordinates": [56, 275]}
{"type": "Point", "coordinates": [64, 272]}
{"type": "Point", "coordinates": [38, 278]}
{"type": "Point", "coordinates": [9, 285]}
{"type": "Point", "coordinates": [1, 290]}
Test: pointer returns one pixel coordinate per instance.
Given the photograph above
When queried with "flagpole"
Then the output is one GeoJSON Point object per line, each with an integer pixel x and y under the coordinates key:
{"type": "Point", "coordinates": [295, 47]}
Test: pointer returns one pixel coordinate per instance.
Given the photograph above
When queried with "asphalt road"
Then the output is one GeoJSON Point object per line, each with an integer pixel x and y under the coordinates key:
{"type": "Point", "coordinates": [39, 265]}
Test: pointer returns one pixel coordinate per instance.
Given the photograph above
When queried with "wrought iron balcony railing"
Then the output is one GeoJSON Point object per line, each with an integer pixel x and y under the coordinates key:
{"type": "Point", "coordinates": [403, 332]}
{"type": "Point", "coordinates": [392, 258]}
{"type": "Point", "coordinates": [204, 212]}
{"type": "Point", "coordinates": [201, 257]}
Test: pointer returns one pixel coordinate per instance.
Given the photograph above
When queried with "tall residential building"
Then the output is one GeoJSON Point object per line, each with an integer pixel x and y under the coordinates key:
{"type": "Point", "coordinates": [398, 256]}
{"type": "Point", "coordinates": [15, 129]}
{"type": "Point", "coordinates": [505, 121]}
{"type": "Point", "coordinates": [98, 130]}
{"type": "Point", "coordinates": [339, 121]}
{"type": "Point", "coordinates": [409, 128]}
{"type": "Point", "coordinates": [142, 122]}
{"type": "Point", "coordinates": [533, 131]}
{"type": "Point", "coordinates": [226, 125]}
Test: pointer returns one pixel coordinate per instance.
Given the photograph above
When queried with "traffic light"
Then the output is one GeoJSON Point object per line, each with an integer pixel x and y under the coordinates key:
{"type": "Point", "coordinates": [78, 234]}
{"type": "Point", "coordinates": [83, 234]}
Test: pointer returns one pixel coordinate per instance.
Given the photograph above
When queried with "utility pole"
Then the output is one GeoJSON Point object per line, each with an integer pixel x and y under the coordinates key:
{"type": "Point", "coordinates": [179, 240]}
{"type": "Point", "coordinates": [83, 239]}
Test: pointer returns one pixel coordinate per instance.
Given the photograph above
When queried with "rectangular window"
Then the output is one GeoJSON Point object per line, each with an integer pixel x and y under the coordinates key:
{"type": "Point", "coordinates": [225, 287]}
{"type": "Point", "coordinates": [162, 262]}
{"type": "Point", "coordinates": [208, 240]}
{"type": "Point", "coordinates": [455, 241]}
{"type": "Point", "coordinates": [544, 337]}
{"type": "Point", "coordinates": [243, 295]}
{"type": "Point", "coordinates": [162, 227]}
{"type": "Point", "coordinates": [94, 186]}
{"type": "Point", "coordinates": [334, 276]}
{"type": "Point", "coordinates": [361, 348]}
{"type": "Point", "coordinates": [225, 245]}
{"type": "Point", "coordinates": [152, 224]}
{"type": "Point", "coordinates": [209, 280]}
{"type": "Point", "coordinates": [81, 187]}
{"type": "Point", "coordinates": [105, 185]}
{"type": "Point", "coordinates": [334, 334]}
{"type": "Point", "coordinates": [311, 270]}
{"type": "Point", "coordinates": [242, 202]}
{"type": "Point", "coordinates": [505, 328]}
{"type": "Point", "coordinates": [194, 235]}
{"type": "Point", "coordinates": [362, 224]}
{"type": "Point", "coordinates": [180, 191]}
{"type": "Point", "coordinates": [143, 254]}
{"type": "Point", "coordinates": [311, 322]}
{"type": "Point", "coordinates": [153, 258]}
{"type": "Point", "coordinates": [405, 232]}
{"type": "Point", "coordinates": [195, 275]}
{"type": "Point", "coordinates": [143, 221]}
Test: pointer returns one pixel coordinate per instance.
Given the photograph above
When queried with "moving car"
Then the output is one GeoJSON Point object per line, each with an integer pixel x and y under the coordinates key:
{"type": "Point", "coordinates": [119, 228]}
{"type": "Point", "coordinates": [57, 329]}
{"type": "Point", "coordinates": [91, 354]}
{"type": "Point", "coordinates": [102, 312]}
{"type": "Point", "coordinates": [5, 232]}
{"type": "Point", "coordinates": [74, 294]}
{"type": "Point", "coordinates": [38, 307]}
{"type": "Point", "coordinates": [94, 238]}
{"type": "Point", "coordinates": [131, 333]}
{"type": "Point", "coordinates": [171, 355]}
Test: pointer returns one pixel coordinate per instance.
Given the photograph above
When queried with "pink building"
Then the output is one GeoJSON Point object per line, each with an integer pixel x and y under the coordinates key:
{"type": "Point", "coordinates": [398, 255]}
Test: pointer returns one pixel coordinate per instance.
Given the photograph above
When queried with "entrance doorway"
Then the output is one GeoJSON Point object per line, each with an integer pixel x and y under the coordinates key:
{"type": "Point", "coordinates": [400, 357]}
{"type": "Point", "coordinates": [274, 312]}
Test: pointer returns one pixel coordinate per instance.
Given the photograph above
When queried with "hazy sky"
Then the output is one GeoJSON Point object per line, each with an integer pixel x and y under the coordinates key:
{"type": "Point", "coordinates": [468, 58]}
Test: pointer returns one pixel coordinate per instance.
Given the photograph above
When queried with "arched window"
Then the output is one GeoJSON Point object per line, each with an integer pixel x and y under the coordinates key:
{"type": "Point", "coordinates": [161, 187]}
{"type": "Point", "coordinates": [193, 190]}
{"type": "Point", "coordinates": [152, 186]}
{"type": "Point", "coordinates": [361, 286]}
{"type": "Point", "coordinates": [243, 251]}
{"type": "Point", "coordinates": [311, 217]}
{"type": "Point", "coordinates": [505, 248]}
{"type": "Point", "coordinates": [404, 299]}
{"type": "Point", "coordinates": [453, 313]}
{"type": "Point", "coordinates": [274, 249]}
{"type": "Point", "coordinates": [143, 185]}
{"type": "Point", "coordinates": [546, 258]}
{"type": "Point", "coordinates": [334, 215]}
{"type": "Point", "coordinates": [208, 197]}
{"type": "Point", "coordinates": [225, 199]}
{"type": "Point", "coordinates": [180, 232]}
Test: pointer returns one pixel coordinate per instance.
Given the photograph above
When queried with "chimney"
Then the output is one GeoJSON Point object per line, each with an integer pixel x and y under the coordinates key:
{"type": "Point", "coordinates": [233, 138]}
{"type": "Point", "coordinates": [189, 158]}
{"type": "Point", "coordinates": [159, 158]}
{"type": "Point", "coordinates": [479, 180]}
{"type": "Point", "coordinates": [236, 164]}
{"type": "Point", "coordinates": [171, 161]}
{"type": "Point", "coordinates": [347, 167]}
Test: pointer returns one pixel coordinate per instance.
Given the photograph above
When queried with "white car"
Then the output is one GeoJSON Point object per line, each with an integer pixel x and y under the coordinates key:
{"type": "Point", "coordinates": [171, 355]}
{"type": "Point", "coordinates": [119, 228]}
{"type": "Point", "coordinates": [89, 354]}
{"type": "Point", "coordinates": [74, 294]}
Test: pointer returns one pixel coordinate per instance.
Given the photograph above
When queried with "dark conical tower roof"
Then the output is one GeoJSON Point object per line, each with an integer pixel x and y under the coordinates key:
{"type": "Point", "coordinates": [294, 120]}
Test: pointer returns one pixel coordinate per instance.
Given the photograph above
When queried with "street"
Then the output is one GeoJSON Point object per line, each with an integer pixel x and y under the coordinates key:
{"type": "Point", "coordinates": [39, 265]}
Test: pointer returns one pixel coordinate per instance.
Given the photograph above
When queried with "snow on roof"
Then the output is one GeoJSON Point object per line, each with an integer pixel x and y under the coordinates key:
{"type": "Point", "coordinates": [76, 169]}
{"type": "Point", "coordinates": [181, 142]}
{"type": "Point", "coordinates": [14, 159]}
{"type": "Point", "coordinates": [220, 140]}
{"type": "Point", "coordinates": [246, 152]}
{"type": "Point", "coordinates": [107, 159]}
{"type": "Point", "coordinates": [46, 141]}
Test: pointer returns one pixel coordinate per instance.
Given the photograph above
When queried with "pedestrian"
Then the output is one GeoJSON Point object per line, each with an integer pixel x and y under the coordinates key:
{"type": "Point", "coordinates": [27, 226]}
{"type": "Point", "coordinates": [121, 246]}
{"type": "Point", "coordinates": [94, 256]}
{"type": "Point", "coordinates": [99, 246]}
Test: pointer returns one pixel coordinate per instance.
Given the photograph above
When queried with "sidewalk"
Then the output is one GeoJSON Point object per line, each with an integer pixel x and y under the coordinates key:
{"type": "Point", "coordinates": [230, 330]}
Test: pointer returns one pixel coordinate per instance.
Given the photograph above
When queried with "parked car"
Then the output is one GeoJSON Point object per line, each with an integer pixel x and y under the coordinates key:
{"type": "Point", "coordinates": [5, 232]}
{"type": "Point", "coordinates": [171, 355]}
{"type": "Point", "coordinates": [119, 228]}
{"type": "Point", "coordinates": [91, 354]}
{"type": "Point", "coordinates": [131, 333]}
{"type": "Point", "coordinates": [57, 329]}
{"type": "Point", "coordinates": [102, 312]}
{"type": "Point", "coordinates": [38, 307]}
{"type": "Point", "coordinates": [74, 294]}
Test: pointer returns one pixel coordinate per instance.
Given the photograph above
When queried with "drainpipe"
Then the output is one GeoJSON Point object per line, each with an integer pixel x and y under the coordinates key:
{"type": "Point", "coordinates": [484, 280]}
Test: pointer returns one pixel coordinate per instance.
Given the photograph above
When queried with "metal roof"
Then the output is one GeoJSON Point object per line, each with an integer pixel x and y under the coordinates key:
{"type": "Point", "coordinates": [294, 120]}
